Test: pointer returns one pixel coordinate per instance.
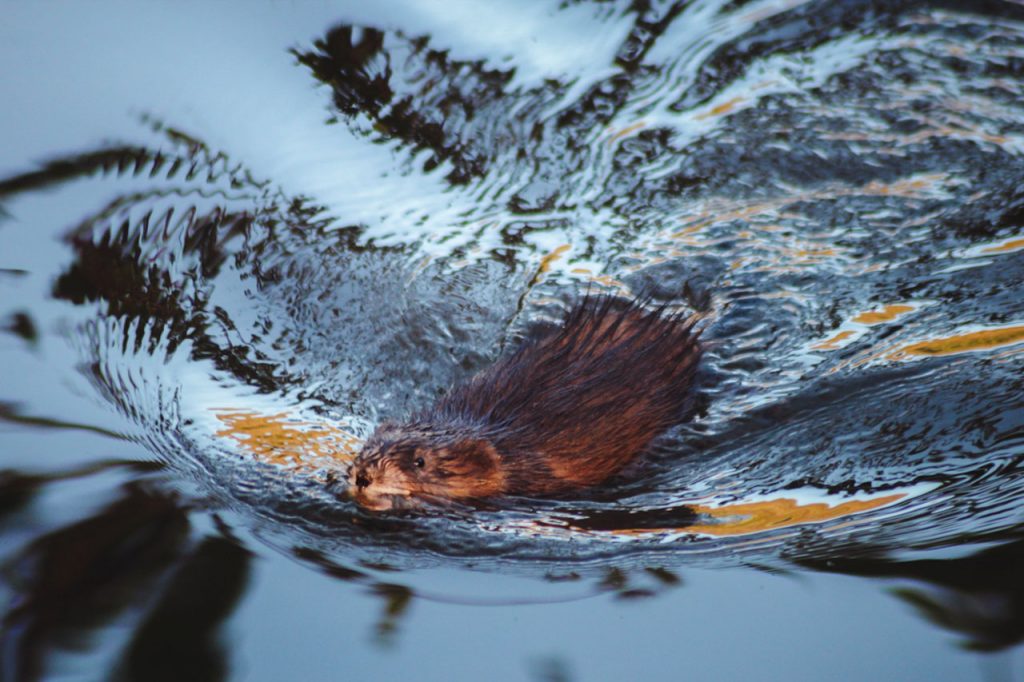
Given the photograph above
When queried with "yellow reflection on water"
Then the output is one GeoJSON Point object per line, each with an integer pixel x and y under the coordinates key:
{"type": "Point", "coordinates": [547, 260]}
{"type": "Point", "coordinates": [639, 125]}
{"type": "Point", "coordinates": [717, 211]}
{"type": "Point", "coordinates": [755, 517]}
{"type": "Point", "coordinates": [285, 440]}
{"type": "Point", "coordinates": [1008, 246]}
{"type": "Point", "coordinates": [859, 324]}
{"type": "Point", "coordinates": [963, 343]}
{"type": "Point", "coordinates": [724, 108]}
{"type": "Point", "coordinates": [886, 314]}
{"type": "Point", "coordinates": [834, 342]}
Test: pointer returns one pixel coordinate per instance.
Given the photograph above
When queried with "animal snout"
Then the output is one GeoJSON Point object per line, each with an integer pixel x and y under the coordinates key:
{"type": "Point", "coordinates": [362, 480]}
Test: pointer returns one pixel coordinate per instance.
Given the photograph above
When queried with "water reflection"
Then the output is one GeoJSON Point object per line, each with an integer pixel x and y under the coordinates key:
{"type": "Point", "coordinates": [172, 269]}
{"type": "Point", "coordinates": [157, 273]}
{"type": "Point", "coordinates": [181, 638]}
{"type": "Point", "coordinates": [839, 184]}
{"type": "Point", "coordinates": [978, 596]}
{"type": "Point", "coordinates": [132, 563]}
{"type": "Point", "coordinates": [136, 560]}
{"type": "Point", "coordinates": [84, 576]}
{"type": "Point", "coordinates": [20, 324]}
{"type": "Point", "coordinates": [551, 670]}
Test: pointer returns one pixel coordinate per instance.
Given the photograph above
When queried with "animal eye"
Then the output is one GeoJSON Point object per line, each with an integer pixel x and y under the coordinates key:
{"type": "Point", "coordinates": [419, 462]}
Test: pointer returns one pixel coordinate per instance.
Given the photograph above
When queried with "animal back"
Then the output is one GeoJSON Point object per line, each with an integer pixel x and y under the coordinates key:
{"type": "Point", "coordinates": [585, 400]}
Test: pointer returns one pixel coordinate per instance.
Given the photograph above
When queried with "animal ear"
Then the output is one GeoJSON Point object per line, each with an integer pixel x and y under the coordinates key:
{"type": "Point", "coordinates": [471, 458]}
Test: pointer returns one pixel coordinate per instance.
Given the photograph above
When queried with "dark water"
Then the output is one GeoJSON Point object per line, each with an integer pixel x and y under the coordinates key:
{"type": "Point", "coordinates": [237, 237]}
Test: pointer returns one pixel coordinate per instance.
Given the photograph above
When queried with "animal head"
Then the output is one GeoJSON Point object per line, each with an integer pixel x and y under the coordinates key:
{"type": "Point", "coordinates": [403, 466]}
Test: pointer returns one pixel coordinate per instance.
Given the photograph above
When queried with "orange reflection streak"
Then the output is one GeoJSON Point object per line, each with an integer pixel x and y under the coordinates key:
{"type": "Point", "coordinates": [963, 343]}
{"type": "Point", "coordinates": [833, 343]}
{"type": "Point", "coordinates": [627, 130]}
{"type": "Point", "coordinates": [755, 517]}
{"type": "Point", "coordinates": [719, 211]}
{"type": "Point", "coordinates": [866, 319]}
{"type": "Point", "coordinates": [956, 128]}
{"type": "Point", "coordinates": [611, 283]}
{"type": "Point", "coordinates": [283, 440]}
{"type": "Point", "coordinates": [1006, 247]}
{"type": "Point", "coordinates": [723, 108]}
{"type": "Point", "coordinates": [546, 261]}
{"type": "Point", "coordinates": [886, 314]}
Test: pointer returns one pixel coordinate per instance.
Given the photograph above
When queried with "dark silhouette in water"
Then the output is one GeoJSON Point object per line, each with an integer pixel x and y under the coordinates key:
{"type": "Point", "coordinates": [564, 411]}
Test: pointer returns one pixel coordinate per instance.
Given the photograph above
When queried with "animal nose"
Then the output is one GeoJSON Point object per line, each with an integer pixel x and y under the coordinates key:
{"type": "Point", "coordinates": [362, 480]}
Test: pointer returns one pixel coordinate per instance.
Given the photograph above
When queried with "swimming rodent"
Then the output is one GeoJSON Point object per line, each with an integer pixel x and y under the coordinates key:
{"type": "Point", "coordinates": [564, 411]}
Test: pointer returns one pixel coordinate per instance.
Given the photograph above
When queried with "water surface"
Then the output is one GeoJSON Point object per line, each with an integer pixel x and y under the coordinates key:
{"type": "Point", "coordinates": [238, 238]}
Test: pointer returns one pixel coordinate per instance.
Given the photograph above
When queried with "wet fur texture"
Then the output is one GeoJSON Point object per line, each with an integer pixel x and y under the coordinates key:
{"type": "Point", "coordinates": [564, 411]}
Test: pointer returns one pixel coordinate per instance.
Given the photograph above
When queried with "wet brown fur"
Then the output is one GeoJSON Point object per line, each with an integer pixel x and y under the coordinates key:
{"type": "Point", "coordinates": [565, 411]}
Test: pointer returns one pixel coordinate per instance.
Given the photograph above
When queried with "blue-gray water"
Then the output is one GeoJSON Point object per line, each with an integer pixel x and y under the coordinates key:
{"type": "Point", "coordinates": [235, 237]}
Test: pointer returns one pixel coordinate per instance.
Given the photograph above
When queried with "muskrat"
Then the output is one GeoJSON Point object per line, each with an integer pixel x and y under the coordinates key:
{"type": "Point", "coordinates": [563, 411]}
